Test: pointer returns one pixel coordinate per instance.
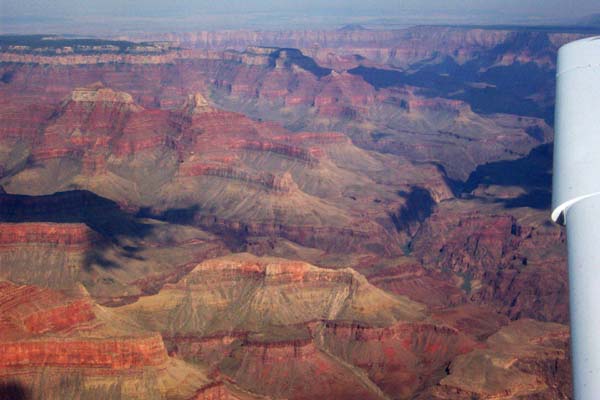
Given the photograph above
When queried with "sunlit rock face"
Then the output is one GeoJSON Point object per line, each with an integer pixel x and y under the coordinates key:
{"type": "Point", "coordinates": [250, 215]}
{"type": "Point", "coordinates": [523, 359]}
{"type": "Point", "coordinates": [295, 185]}
{"type": "Point", "coordinates": [65, 344]}
{"type": "Point", "coordinates": [469, 87]}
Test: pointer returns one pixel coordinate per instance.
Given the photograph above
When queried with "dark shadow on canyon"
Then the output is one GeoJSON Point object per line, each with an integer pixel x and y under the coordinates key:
{"type": "Point", "coordinates": [180, 216]}
{"type": "Point", "coordinates": [483, 84]}
{"type": "Point", "coordinates": [419, 206]}
{"type": "Point", "coordinates": [78, 206]}
{"type": "Point", "coordinates": [296, 57]}
{"type": "Point", "coordinates": [14, 391]}
{"type": "Point", "coordinates": [532, 173]}
{"type": "Point", "coordinates": [236, 240]}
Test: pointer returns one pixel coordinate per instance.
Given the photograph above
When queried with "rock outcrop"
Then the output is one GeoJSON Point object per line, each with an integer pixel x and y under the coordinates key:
{"type": "Point", "coordinates": [382, 104]}
{"type": "Point", "coordinates": [108, 139]}
{"type": "Point", "coordinates": [511, 260]}
{"type": "Point", "coordinates": [399, 253]}
{"type": "Point", "coordinates": [525, 359]}
{"type": "Point", "coordinates": [247, 317]}
{"type": "Point", "coordinates": [57, 344]}
{"type": "Point", "coordinates": [401, 359]}
{"type": "Point", "coordinates": [69, 236]}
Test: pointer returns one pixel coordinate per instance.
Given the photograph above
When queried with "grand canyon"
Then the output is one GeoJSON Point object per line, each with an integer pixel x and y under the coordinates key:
{"type": "Point", "coordinates": [339, 214]}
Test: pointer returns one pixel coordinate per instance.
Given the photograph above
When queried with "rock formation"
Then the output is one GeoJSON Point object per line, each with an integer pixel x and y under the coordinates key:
{"type": "Point", "coordinates": [247, 215]}
{"type": "Point", "coordinates": [44, 333]}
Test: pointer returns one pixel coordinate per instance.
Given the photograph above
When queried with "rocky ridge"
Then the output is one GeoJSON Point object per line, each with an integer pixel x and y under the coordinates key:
{"type": "Point", "coordinates": [426, 263]}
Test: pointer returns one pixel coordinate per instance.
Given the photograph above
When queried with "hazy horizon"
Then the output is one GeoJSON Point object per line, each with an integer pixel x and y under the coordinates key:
{"type": "Point", "coordinates": [64, 16]}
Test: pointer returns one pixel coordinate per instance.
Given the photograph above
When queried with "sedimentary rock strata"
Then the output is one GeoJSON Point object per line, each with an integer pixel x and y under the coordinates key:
{"type": "Point", "coordinates": [245, 215]}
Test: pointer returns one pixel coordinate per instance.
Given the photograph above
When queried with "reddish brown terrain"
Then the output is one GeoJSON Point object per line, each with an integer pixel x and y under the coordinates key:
{"type": "Point", "coordinates": [65, 346]}
{"type": "Point", "coordinates": [284, 215]}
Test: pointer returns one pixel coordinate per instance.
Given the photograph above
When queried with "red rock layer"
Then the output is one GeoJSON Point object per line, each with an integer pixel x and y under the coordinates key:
{"type": "Point", "coordinates": [14, 128]}
{"type": "Point", "coordinates": [419, 284]}
{"type": "Point", "coordinates": [344, 90]}
{"type": "Point", "coordinates": [281, 350]}
{"type": "Point", "coordinates": [339, 48]}
{"type": "Point", "coordinates": [319, 138]}
{"type": "Point", "coordinates": [29, 310]}
{"type": "Point", "coordinates": [122, 353]}
{"type": "Point", "coordinates": [469, 243]}
{"type": "Point", "coordinates": [276, 274]}
{"type": "Point", "coordinates": [328, 238]}
{"type": "Point", "coordinates": [296, 370]}
{"type": "Point", "coordinates": [517, 265]}
{"type": "Point", "coordinates": [39, 328]}
{"type": "Point", "coordinates": [71, 236]}
{"type": "Point", "coordinates": [526, 359]}
{"type": "Point", "coordinates": [208, 350]}
{"type": "Point", "coordinates": [307, 155]}
{"type": "Point", "coordinates": [402, 359]}
{"type": "Point", "coordinates": [96, 122]}
{"type": "Point", "coordinates": [58, 318]}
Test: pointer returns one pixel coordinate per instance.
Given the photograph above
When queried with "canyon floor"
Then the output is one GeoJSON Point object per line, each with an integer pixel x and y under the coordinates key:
{"type": "Point", "coordinates": [350, 214]}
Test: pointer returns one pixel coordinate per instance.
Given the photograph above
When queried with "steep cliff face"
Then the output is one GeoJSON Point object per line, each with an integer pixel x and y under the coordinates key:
{"type": "Point", "coordinates": [254, 320]}
{"type": "Point", "coordinates": [526, 359]}
{"type": "Point", "coordinates": [399, 47]}
{"type": "Point", "coordinates": [29, 310]}
{"type": "Point", "coordinates": [44, 312]}
{"type": "Point", "coordinates": [59, 345]}
{"type": "Point", "coordinates": [245, 293]}
{"type": "Point", "coordinates": [401, 359]}
{"type": "Point", "coordinates": [513, 261]}
{"type": "Point", "coordinates": [297, 370]}
{"type": "Point", "coordinates": [71, 236]}
{"type": "Point", "coordinates": [481, 241]}
{"type": "Point", "coordinates": [433, 103]}
{"type": "Point", "coordinates": [75, 237]}
{"type": "Point", "coordinates": [274, 325]}
{"type": "Point", "coordinates": [427, 286]}
{"type": "Point", "coordinates": [347, 154]}
{"type": "Point", "coordinates": [298, 186]}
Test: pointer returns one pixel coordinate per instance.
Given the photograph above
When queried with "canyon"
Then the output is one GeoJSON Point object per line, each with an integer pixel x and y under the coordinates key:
{"type": "Point", "coordinates": [285, 215]}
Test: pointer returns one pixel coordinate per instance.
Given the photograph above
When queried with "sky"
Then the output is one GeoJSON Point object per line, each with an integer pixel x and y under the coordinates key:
{"type": "Point", "coordinates": [271, 13]}
{"type": "Point", "coordinates": [57, 8]}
